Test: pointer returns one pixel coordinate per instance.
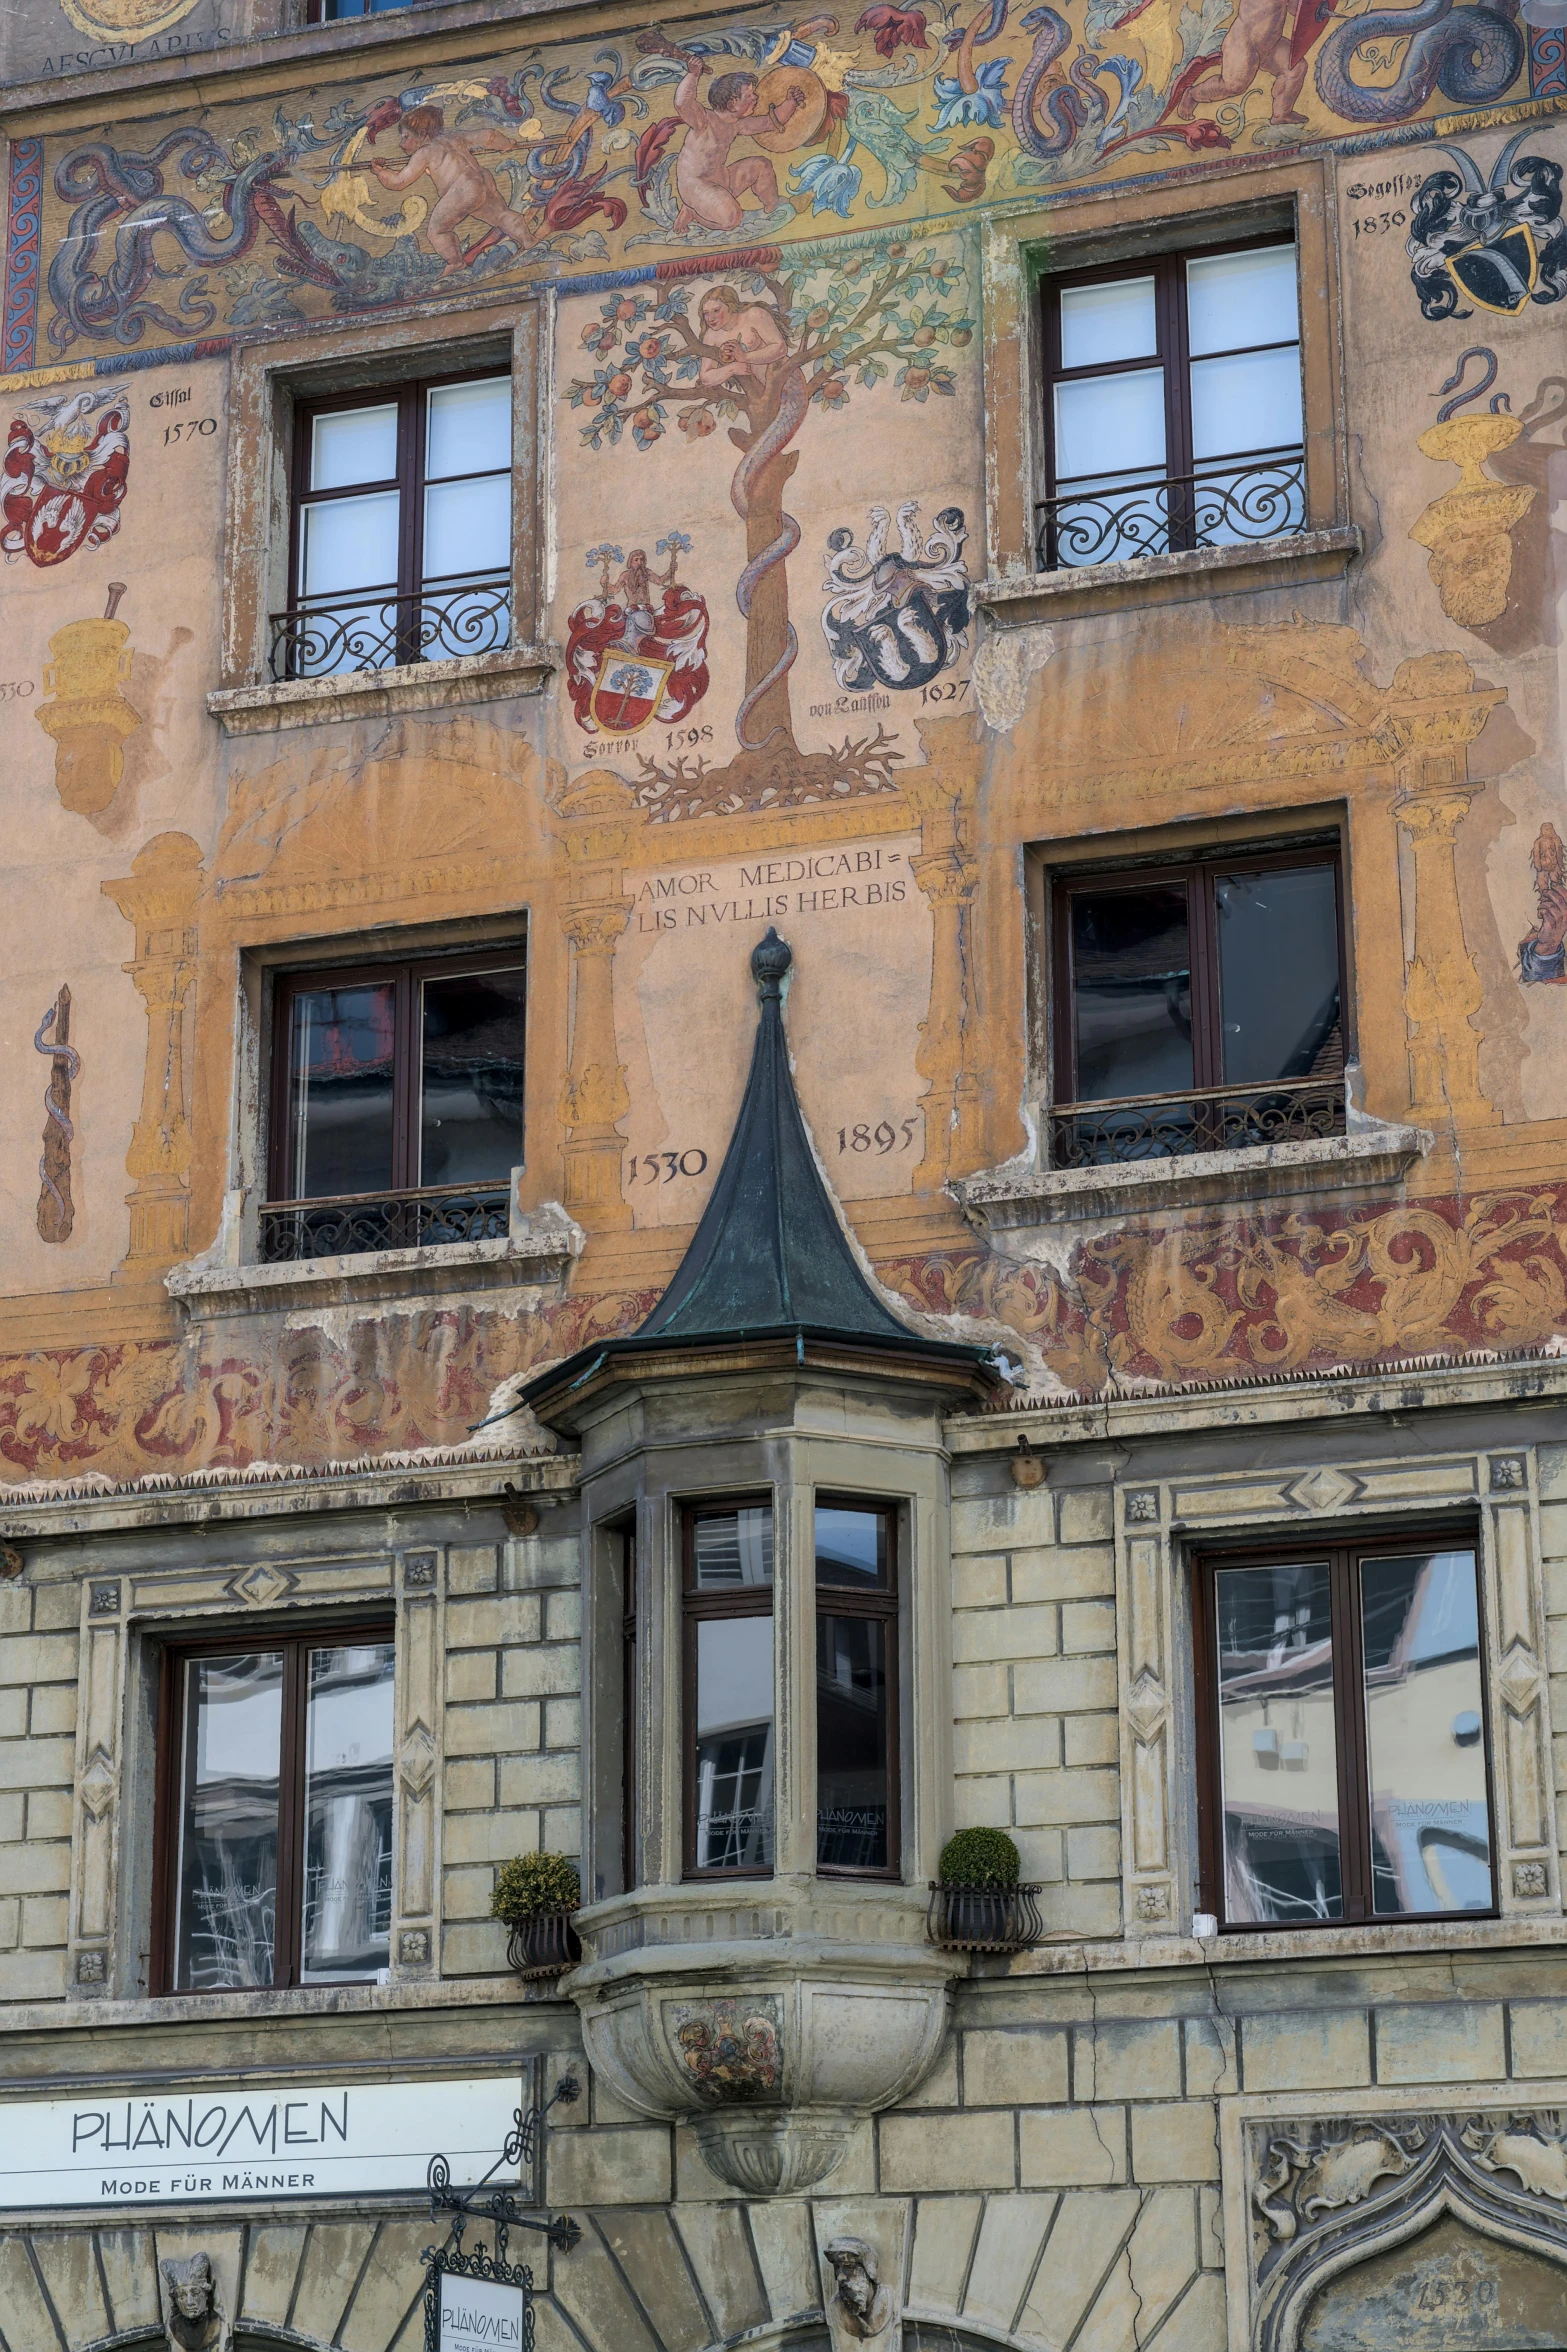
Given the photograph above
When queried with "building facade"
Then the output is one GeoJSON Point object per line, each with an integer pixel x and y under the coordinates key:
{"type": "Point", "coordinates": [729, 1143]}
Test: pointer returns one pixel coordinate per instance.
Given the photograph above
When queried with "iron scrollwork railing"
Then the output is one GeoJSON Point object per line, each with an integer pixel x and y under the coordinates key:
{"type": "Point", "coordinates": [357, 1222]}
{"type": "Point", "coordinates": [1224, 504]}
{"type": "Point", "coordinates": [497, 2209]}
{"type": "Point", "coordinates": [1175, 1126]}
{"type": "Point", "coordinates": [323, 637]}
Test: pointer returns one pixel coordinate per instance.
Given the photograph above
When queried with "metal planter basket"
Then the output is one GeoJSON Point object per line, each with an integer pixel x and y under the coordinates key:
{"type": "Point", "coordinates": [984, 1918]}
{"type": "Point", "coordinates": [545, 1945]}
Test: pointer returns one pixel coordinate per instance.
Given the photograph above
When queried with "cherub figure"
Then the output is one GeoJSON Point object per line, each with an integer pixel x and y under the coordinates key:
{"type": "Point", "coordinates": [1257, 42]}
{"type": "Point", "coordinates": [465, 189]}
{"type": "Point", "coordinates": [709, 186]}
{"type": "Point", "coordinates": [747, 335]}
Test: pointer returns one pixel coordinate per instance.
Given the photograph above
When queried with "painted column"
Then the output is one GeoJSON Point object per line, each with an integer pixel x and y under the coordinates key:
{"type": "Point", "coordinates": [159, 897]}
{"type": "Point", "coordinates": [596, 818]}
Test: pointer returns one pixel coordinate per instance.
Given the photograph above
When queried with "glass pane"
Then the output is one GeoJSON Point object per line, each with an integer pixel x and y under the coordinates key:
{"type": "Point", "coordinates": [340, 1074]}
{"type": "Point", "coordinates": [1250, 401]}
{"type": "Point", "coordinates": [1132, 982]}
{"type": "Point", "coordinates": [1235, 300]}
{"type": "Point", "coordinates": [851, 1545]}
{"type": "Point", "coordinates": [1104, 323]}
{"type": "Point", "coordinates": [851, 1742]}
{"type": "Point", "coordinates": [1109, 425]}
{"type": "Point", "coordinates": [348, 1812]}
{"type": "Point", "coordinates": [226, 1919]}
{"type": "Point", "coordinates": [354, 445]}
{"type": "Point", "coordinates": [349, 543]}
{"type": "Point", "coordinates": [468, 428]}
{"type": "Point", "coordinates": [471, 1116]}
{"type": "Point", "coordinates": [734, 1743]}
{"type": "Point", "coordinates": [467, 527]}
{"type": "Point", "coordinates": [734, 1547]}
{"type": "Point", "coordinates": [1278, 974]}
{"type": "Point", "coordinates": [1425, 1753]}
{"type": "Point", "coordinates": [1278, 1754]}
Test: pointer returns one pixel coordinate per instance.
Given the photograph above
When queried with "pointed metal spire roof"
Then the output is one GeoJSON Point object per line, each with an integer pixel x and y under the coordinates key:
{"type": "Point", "coordinates": [770, 1253]}
{"type": "Point", "coordinates": [770, 1258]}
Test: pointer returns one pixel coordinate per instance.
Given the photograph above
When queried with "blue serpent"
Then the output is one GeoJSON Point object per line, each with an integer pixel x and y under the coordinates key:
{"type": "Point", "coordinates": [1471, 54]}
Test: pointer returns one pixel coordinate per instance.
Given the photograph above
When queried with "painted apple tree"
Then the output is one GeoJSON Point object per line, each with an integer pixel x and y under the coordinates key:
{"type": "Point", "coordinates": [760, 351]}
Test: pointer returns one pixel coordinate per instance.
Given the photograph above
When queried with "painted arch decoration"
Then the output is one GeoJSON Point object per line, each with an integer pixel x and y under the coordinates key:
{"type": "Point", "coordinates": [645, 158]}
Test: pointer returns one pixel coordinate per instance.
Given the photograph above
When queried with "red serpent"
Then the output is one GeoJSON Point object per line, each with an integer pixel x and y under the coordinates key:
{"type": "Point", "coordinates": [793, 402]}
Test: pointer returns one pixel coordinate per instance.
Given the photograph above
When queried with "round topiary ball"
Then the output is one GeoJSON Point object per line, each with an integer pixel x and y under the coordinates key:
{"type": "Point", "coordinates": [533, 1883]}
{"type": "Point", "coordinates": [979, 1858]}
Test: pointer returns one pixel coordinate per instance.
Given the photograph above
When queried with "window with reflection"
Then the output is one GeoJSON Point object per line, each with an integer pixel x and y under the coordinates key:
{"type": "Point", "coordinates": [1173, 405]}
{"type": "Point", "coordinates": [396, 1096]}
{"type": "Point", "coordinates": [856, 1688]}
{"type": "Point", "coordinates": [1198, 1007]}
{"type": "Point", "coordinates": [274, 1834]}
{"type": "Point", "coordinates": [401, 528]}
{"type": "Point", "coordinates": [729, 1689]}
{"type": "Point", "coordinates": [1346, 1775]}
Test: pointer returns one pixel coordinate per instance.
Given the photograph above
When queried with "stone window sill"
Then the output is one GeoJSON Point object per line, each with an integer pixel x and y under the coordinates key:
{"type": "Point", "coordinates": [378, 694]}
{"type": "Point", "coordinates": [539, 1248]}
{"type": "Point", "coordinates": [1169, 579]}
{"type": "Point", "coordinates": [1370, 1155]}
{"type": "Point", "coordinates": [1315, 1946]}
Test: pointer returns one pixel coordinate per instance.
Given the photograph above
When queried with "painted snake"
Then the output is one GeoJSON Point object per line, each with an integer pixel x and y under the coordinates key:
{"type": "Point", "coordinates": [793, 401]}
{"type": "Point", "coordinates": [1471, 54]}
{"type": "Point", "coordinates": [126, 193]}
{"type": "Point", "coordinates": [59, 1118]}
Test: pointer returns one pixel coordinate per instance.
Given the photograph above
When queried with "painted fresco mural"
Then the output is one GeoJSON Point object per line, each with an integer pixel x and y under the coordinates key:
{"type": "Point", "coordinates": [780, 692]}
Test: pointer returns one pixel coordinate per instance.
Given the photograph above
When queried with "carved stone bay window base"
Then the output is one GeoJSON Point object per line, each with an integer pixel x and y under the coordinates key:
{"type": "Point", "coordinates": [1444, 2228]}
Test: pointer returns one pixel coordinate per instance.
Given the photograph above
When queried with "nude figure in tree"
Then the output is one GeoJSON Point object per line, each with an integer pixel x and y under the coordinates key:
{"type": "Point", "coordinates": [465, 189]}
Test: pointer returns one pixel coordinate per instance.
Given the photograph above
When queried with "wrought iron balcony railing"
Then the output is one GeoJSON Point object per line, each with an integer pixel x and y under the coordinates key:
{"type": "Point", "coordinates": [1175, 1126]}
{"type": "Point", "coordinates": [323, 636]}
{"type": "Point", "coordinates": [1223, 504]}
{"type": "Point", "coordinates": [357, 1222]}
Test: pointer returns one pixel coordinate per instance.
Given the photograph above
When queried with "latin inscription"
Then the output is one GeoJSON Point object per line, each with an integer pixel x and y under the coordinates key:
{"type": "Point", "coordinates": [826, 882]}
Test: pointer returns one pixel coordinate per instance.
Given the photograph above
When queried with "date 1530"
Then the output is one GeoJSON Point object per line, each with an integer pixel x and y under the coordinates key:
{"type": "Point", "coordinates": [664, 1167]}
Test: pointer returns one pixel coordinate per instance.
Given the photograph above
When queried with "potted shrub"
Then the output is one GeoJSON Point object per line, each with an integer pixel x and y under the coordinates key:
{"type": "Point", "coordinates": [537, 1896]}
{"type": "Point", "coordinates": [980, 1903]}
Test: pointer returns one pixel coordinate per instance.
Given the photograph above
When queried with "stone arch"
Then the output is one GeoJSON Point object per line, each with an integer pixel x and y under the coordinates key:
{"type": "Point", "coordinates": [1500, 2180]}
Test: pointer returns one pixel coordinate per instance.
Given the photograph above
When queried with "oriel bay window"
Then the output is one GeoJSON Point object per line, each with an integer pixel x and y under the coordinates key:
{"type": "Point", "coordinates": [729, 1700]}
{"type": "Point", "coordinates": [400, 547]}
{"type": "Point", "coordinates": [1173, 406]}
{"type": "Point", "coordinates": [274, 1819]}
{"type": "Point", "coordinates": [1345, 1772]}
{"type": "Point", "coordinates": [1197, 1008]}
{"type": "Point", "coordinates": [856, 1688]}
{"type": "Point", "coordinates": [396, 1105]}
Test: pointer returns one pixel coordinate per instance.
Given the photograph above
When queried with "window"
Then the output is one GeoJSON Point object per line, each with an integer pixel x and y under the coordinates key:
{"type": "Point", "coordinates": [729, 1689]}
{"type": "Point", "coordinates": [275, 1819]}
{"type": "Point", "coordinates": [856, 1689]}
{"type": "Point", "coordinates": [400, 547]}
{"type": "Point", "coordinates": [396, 1105]}
{"type": "Point", "coordinates": [1173, 406]}
{"type": "Point", "coordinates": [628, 1709]}
{"type": "Point", "coordinates": [1346, 1774]}
{"type": "Point", "coordinates": [1197, 1008]}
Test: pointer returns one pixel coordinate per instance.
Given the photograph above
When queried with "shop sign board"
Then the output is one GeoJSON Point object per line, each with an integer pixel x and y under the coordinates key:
{"type": "Point", "coordinates": [480, 2315]}
{"type": "Point", "coordinates": [215, 2143]}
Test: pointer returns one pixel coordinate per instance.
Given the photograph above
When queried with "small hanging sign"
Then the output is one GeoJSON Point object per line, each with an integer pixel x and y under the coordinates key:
{"type": "Point", "coordinates": [476, 2300]}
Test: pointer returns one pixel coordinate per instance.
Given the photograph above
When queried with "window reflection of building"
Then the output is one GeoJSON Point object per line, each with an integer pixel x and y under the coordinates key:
{"type": "Point", "coordinates": [348, 1813]}
{"type": "Point", "coordinates": [729, 1576]}
{"type": "Point", "coordinates": [851, 1731]}
{"type": "Point", "coordinates": [227, 1875]}
{"type": "Point", "coordinates": [1351, 1750]}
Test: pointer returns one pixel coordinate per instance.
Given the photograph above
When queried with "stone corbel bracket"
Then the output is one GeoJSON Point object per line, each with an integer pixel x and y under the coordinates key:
{"type": "Point", "coordinates": [772, 2061]}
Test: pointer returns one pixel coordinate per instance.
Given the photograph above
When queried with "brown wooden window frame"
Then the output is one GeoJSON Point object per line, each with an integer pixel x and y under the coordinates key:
{"type": "Point", "coordinates": [756, 1600]}
{"type": "Point", "coordinates": [1349, 1722]}
{"type": "Point", "coordinates": [883, 1603]}
{"type": "Point", "coordinates": [288, 1929]}
{"type": "Point", "coordinates": [408, 973]}
{"type": "Point", "coordinates": [408, 481]}
{"type": "Point", "coordinates": [627, 1541]}
{"type": "Point", "coordinates": [1199, 876]}
{"type": "Point", "coordinates": [1172, 353]}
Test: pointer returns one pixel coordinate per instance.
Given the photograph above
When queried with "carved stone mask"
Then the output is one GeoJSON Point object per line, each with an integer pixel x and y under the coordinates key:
{"type": "Point", "coordinates": [866, 2305]}
{"type": "Point", "coordinates": [194, 2321]}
